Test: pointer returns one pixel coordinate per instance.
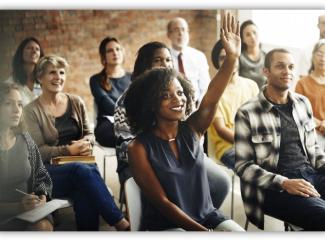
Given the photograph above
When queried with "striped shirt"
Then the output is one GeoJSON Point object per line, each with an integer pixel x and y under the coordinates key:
{"type": "Point", "coordinates": [257, 145]}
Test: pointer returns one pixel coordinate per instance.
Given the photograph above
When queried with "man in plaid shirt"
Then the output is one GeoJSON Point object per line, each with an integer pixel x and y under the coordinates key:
{"type": "Point", "coordinates": [281, 167]}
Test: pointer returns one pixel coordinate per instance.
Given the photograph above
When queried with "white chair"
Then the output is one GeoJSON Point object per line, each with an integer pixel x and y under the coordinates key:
{"type": "Point", "coordinates": [211, 151]}
{"type": "Point", "coordinates": [133, 203]}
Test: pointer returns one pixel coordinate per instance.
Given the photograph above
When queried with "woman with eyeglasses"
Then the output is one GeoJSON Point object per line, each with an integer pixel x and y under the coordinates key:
{"type": "Point", "coordinates": [313, 87]}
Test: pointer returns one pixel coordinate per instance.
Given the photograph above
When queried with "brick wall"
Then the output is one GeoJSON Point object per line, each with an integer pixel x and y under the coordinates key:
{"type": "Point", "coordinates": [75, 35]}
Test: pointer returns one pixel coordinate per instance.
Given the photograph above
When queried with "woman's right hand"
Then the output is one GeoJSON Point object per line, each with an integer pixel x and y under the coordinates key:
{"type": "Point", "coordinates": [81, 147]}
{"type": "Point", "coordinates": [31, 201]}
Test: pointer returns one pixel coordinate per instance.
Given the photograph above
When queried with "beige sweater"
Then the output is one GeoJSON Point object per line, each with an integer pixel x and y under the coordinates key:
{"type": "Point", "coordinates": [41, 127]}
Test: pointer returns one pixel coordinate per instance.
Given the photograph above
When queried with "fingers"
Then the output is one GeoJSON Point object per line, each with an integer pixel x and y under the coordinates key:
{"type": "Point", "coordinates": [237, 28]}
{"type": "Point", "coordinates": [228, 22]}
{"type": "Point", "coordinates": [307, 189]}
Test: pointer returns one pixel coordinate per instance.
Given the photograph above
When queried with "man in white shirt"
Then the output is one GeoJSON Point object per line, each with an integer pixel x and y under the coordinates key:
{"type": "Point", "coordinates": [192, 62]}
{"type": "Point", "coordinates": [305, 60]}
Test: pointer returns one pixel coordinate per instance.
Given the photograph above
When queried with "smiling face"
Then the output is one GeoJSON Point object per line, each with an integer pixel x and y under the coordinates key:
{"type": "Point", "coordinates": [114, 54]}
{"type": "Point", "coordinates": [173, 102]}
{"type": "Point", "coordinates": [11, 108]}
{"type": "Point", "coordinates": [162, 58]}
{"type": "Point", "coordinates": [53, 79]}
{"type": "Point", "coordinates": [31, 53]}
{"type": "Point", "coordinates": [280, 72]}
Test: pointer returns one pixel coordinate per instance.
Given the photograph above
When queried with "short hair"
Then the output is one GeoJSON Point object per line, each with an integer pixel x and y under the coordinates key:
{"type": "Point", "coordinates": [5, 88]}
{"type": "Point", "coordinates": [241, 32]}
{"type": "Point", "coordinates": [18, 71]}
{"type": "Point", "coordinates": [171, 22]}
{"type": "Point", "coordinates": [319, 44]}
{"type": "Point", "coordinates": [47, 60]}
{"type": "Point", "coordinates": [269, 56]}
{"type": "Point", "coordinates": [144, 96]}
{"type": "Point", "coordinates": [215, 54]}
{"type": "Point", "coordinates": [145, 57]}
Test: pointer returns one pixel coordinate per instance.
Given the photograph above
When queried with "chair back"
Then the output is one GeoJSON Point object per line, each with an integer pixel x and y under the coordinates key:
{"type": "Point", "coordinates": [133, 203]}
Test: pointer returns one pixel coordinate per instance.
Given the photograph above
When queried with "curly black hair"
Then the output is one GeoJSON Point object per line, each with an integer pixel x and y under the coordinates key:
{"type": "Point", "coordinates": [143, 98]}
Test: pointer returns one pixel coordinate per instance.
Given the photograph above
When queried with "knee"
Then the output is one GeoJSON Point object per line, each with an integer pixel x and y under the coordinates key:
{"type": "Point", "coordinates": [219, 179]}
{"type": "Point", "coordinates": [42, 225]}
{"type": "Point", "coordinates": [86, 171]}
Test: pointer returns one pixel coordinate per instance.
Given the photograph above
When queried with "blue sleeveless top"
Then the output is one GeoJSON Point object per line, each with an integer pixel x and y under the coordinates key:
{"type": "Point", "coordinates": [184, 181]}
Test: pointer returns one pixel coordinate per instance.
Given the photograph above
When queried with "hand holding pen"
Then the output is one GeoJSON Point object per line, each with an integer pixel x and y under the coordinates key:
{"type": "Point", "coordinates": [30, 200]}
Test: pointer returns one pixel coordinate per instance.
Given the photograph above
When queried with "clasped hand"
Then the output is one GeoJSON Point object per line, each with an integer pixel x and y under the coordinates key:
{"type": "Point", "coordinates": [81, 147]}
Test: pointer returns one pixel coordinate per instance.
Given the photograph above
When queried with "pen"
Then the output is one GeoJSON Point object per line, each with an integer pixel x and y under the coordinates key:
{"type": "Point", "coordinates": [37, 198]}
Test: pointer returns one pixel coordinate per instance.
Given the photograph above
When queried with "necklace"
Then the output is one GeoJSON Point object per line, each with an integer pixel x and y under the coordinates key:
{"type": "Point", "coordinates": [172, 139]}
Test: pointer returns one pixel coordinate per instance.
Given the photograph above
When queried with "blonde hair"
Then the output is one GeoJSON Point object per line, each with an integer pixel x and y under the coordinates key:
{"type": "Point", "coordinates": [47, 60]}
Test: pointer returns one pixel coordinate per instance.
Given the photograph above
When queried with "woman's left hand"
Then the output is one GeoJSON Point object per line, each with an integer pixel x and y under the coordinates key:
{"type": "Point", "coordinates": [230, 36]}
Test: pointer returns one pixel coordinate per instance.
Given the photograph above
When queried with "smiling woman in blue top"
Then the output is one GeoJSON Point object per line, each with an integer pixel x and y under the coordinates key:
{"type": "Point", "coordinates": [107, 86]}
{"type": "Point", "coordinates": [166, 157]}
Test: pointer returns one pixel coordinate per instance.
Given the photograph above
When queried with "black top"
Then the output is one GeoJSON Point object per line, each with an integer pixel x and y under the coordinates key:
{"type": "Point", "coordinates": [291, 155]}
{"type": "Point", "coordinates": [185, 180]}
{"type": "Point", "coordinates": [106, 100]}
{"type": "Point", "coordinates": [67, 127]}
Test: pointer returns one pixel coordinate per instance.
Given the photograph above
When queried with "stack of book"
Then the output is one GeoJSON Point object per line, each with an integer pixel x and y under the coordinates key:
{"type": "Point", "coordinates": [60, 160]}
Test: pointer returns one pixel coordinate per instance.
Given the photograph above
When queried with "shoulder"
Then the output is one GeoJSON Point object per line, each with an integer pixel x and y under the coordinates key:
{"type": "Point", "coordinates": [248, 82]}
{"type": "Point", "coordinates": [304, 80]}
{"type": "Point", "coordinates": [32, 106]}
{"type": "Point", "coordinates": [301, 99]}
{"type": "Point", "coordinates": [194, 51]}
{"type": "Point", "coordinates": [136, 148]}
{"type": "Point", "coordinates": [29, 140]}
{"type": "Point", "coordinates": [251, 106]}
{"type": "Point", "coordinates": [75, 98]}
{"type": "Point", "coordinates": [96, 77]}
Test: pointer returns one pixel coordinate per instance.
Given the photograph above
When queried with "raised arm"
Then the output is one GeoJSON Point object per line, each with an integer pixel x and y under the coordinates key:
{"type": "Point", "coordinates": [202, 118]}
{"type": "Point", "coordinates": [149, 184]}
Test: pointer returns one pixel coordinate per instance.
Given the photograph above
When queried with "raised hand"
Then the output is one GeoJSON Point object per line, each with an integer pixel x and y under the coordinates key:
{"type": "Point", "coordinates": [230, 36]}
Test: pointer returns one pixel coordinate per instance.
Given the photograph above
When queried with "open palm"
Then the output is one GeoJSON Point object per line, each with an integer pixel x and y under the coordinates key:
{"type": "Point", "coordinates": [230, 36]}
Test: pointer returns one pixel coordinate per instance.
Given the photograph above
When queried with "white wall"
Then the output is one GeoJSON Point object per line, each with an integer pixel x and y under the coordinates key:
{"type": "Point", "coordinates": [294, 30]}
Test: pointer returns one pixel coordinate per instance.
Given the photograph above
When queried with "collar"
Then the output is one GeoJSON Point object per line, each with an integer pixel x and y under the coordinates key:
{"type": "Point", "coordinates": [267, 105]}
{"type": "Point", "coordinates": [175, 52]}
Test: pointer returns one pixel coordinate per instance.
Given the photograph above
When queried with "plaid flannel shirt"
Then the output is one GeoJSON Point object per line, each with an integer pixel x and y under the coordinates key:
{"type": "Point", "coordinates": [257, 145]}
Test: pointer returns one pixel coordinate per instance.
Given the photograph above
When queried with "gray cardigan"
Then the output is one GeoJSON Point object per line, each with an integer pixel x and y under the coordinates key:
{"type": "Point", "coordinates": [41, 127]}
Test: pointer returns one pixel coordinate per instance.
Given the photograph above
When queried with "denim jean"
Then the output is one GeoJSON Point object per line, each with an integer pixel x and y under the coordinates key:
{"type": "Point", "coordinates": [305, 212]}
{"type": "Point", "coordinates": [219, 182]}
{"type": "Point", "coordinates": [83, 184]}
{"type": "Point", "coordinates": [228, 158]}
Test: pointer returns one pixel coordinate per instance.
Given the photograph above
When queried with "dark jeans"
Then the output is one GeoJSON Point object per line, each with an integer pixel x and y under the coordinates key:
{"type": "Point", "coordinates": [307, 213]}
{"type": "Point", "coordinates": [83, 184]}
{"type": "Point", "coordinates": [104, 132]}
{"type": "Point", "coordinates": [228, 158]}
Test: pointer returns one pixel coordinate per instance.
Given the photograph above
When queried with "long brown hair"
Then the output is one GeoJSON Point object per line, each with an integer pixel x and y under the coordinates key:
{"type": "Point", "coordinates": [105, 82]}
